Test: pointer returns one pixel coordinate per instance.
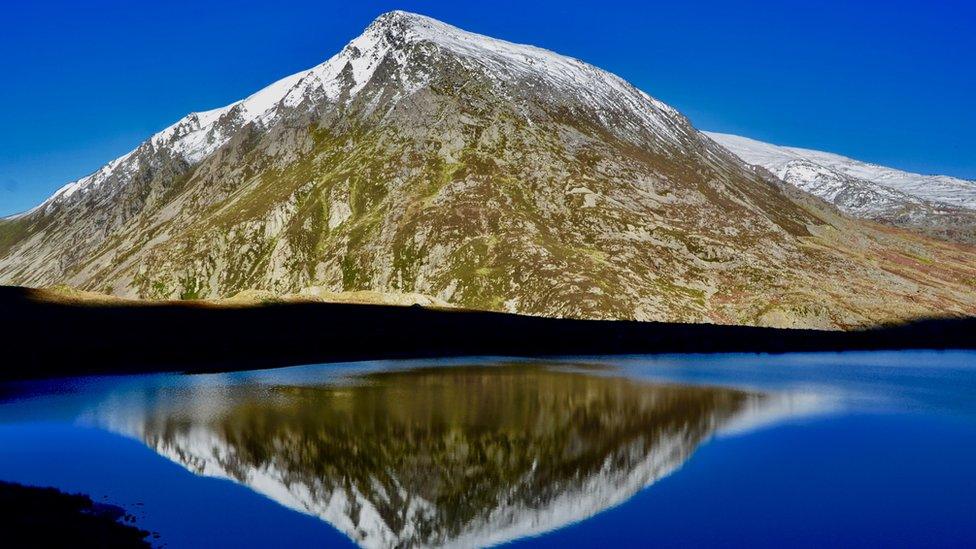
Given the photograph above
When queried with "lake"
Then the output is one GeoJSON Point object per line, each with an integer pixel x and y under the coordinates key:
{"type": "Point", "coordinates": [842, 449]}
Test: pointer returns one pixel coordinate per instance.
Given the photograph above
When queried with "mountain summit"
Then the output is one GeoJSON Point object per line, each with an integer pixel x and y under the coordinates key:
{"type": "Point", "coordinates": [423, 158]}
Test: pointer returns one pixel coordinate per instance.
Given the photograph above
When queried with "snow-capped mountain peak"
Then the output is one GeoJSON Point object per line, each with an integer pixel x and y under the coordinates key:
{"type": "Point", "coordinates": [399, 163]}
{"type": "Point", "coordinates": [340, 78]}
{"type": "Point", "coordinates": [199, 134]}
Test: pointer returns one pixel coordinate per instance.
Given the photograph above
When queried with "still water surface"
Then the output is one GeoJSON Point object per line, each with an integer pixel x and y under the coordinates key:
{"type": "Point", "coordinates": [723, 450]}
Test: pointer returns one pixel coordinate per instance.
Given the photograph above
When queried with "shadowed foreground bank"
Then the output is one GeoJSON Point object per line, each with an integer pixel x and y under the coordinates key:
{"type": "Point", "coordinates": [41, 338]}
{"type": "Point", "coordinates": [46, 517]}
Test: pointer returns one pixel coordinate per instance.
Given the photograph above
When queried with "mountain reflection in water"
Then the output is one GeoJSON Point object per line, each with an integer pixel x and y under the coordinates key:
{"type": "Point", "coordinates": [438, 456]}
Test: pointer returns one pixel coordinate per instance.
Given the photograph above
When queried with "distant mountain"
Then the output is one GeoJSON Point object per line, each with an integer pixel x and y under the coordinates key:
{"type": "Point", "coordinates": [938, 205]}
{"type": "Point", "coordinates": [423, 158]}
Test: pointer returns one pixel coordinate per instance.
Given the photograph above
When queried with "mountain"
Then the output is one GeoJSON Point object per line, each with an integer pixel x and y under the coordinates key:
{"type": "Point", "coordinates": [938, 205]}
{"type": "Point", "coordinates": [422, 158]}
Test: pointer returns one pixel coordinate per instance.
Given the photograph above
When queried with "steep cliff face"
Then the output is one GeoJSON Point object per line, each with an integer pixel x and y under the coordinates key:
{"type": "Point", "coordinates": [422, 158]}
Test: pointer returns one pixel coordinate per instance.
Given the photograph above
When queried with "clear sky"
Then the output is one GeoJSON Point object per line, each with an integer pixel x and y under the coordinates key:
{"type": "Point", "coordinates": [892, 82]}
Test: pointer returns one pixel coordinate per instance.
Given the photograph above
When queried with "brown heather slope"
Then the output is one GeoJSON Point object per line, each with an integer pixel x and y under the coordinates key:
{"type": "Point", "coordinates": [422, 159]}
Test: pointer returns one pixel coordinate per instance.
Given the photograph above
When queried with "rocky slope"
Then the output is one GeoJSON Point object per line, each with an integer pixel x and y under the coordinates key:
{"type": "Point", "coordinates": [425, 159]}
{"type": "Point", "coordinates": [937, 205]}
{"type": "Point", "coordinates": [246, 298]}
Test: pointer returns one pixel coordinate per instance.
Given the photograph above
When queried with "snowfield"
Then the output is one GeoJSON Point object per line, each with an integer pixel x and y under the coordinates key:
{"type": "Point", "coordinates": [859, 188]}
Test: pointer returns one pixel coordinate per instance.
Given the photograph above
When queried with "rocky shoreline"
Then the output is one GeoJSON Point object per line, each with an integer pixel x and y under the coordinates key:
{"type": "Point", "coordinates": [47, 517]}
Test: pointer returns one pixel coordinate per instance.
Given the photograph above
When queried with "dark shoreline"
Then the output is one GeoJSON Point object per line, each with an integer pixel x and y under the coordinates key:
{"type": "Point", "coordinates": [48, 517]}
{"type": "Point", "coordinates": [48, 339]}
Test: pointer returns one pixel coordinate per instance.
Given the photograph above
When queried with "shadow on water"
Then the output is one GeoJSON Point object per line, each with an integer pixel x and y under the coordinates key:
{"type": "Point", "coordinates": [465, 455]}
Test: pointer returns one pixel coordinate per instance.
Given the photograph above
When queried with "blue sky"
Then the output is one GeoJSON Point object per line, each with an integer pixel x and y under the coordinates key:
{"type": "Point", "coordinates": [891, 82]}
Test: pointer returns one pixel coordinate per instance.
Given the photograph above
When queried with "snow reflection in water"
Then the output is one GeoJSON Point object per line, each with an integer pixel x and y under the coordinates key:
{"type": "Point", "coordinates": [468, 455]}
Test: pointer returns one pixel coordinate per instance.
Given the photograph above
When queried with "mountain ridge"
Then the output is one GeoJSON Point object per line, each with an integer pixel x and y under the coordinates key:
{"type": "Point", "coordinates": [198, 134]}
{"type": "Point", "coordinates": [425, 159]}
{"type": "Point", "coordinates": [937, 205]}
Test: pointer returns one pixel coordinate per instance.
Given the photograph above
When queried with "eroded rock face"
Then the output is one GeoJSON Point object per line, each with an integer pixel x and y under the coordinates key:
{"type": "Point", "coordinates": [459, 456]}
{"type": "Point", "coordinates": [429, 160]}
